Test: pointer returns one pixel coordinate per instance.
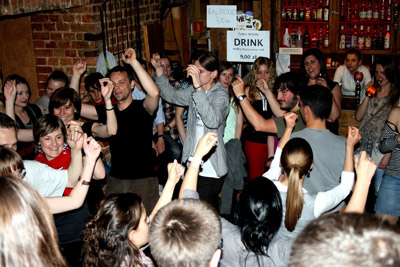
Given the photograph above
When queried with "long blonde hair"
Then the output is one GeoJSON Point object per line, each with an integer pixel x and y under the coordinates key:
{"type": "Point", "coordinates": [252, 82]}
{"type": "Point", "coordinates": [27, 233]}
{"type": "Point", "coordinates": [296, 161]}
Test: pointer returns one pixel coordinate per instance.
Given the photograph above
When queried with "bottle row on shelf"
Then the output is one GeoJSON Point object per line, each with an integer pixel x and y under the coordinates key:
{"type": "Point", "coordinates": [353, 37]}
{"type": "Point", "coordinates": [296, 39]}
{"type": "Point", "coordinates": [305, 13]}
{"type": "Point", "coordinates": [359, 38]}
{"type": "Point", "coordinates": [366, 12]}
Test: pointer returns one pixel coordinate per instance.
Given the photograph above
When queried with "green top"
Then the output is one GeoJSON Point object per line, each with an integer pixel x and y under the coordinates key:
{"type": "Point", "coordinates": [281, 125]}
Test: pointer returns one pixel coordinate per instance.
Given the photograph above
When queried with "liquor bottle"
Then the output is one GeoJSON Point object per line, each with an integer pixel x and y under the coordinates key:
{"type": "Point", "coordinates": [354, 37]}
{"type": "Point", "coordinates": [358, 92]}
{"type": "Point", "coordinates": [342, 12]}
{"type": "Point", "coordinates": [380, 39]}
{"type": "Point", "coordinates": [389, 10]}
{"type": "Point", "coordinates": [387, 38]}
{"type": "Point", "coordinates": [299, 38]}
{"type": "Point", "coordinates": [326, 37]}
{"type": "Point", "coordinates": [348, 37]}
{"type": "Point", "coordinates": [326, 11]}
{"type": "Point", "coordinates": [293, 38]}
{"type": "Point", "coordinates": [295, 14]}
{"type": "Point", "coordinates": [355, 16]}
{"type": "Point", "coordinates": [289, 11]}
{"type": "Point", "coordinates": [301, 12]}
{"type": "Point", "coordinates": [348, 15]}
{"type": "Point", "coordinates": [314, 39]}
{"type": "Point", "coordinates": [363, 12]}
{"type": "Point", "coordinates": [368, 39]}
{"type": "Point", "coordinates": [342, 42]}
{"type": "Point", "coordinates": [284, 14]}
{"type": "Point", "coordinates": [374, 40]}
{"type": "Point", "coordinates": [383, 11]}
{"type": "Point", "coordinates": [286, 37]}
{"type": "Point", "coordinates": [320, 38]}
{"type": "Point", "coordinates": [307, 15]}
{"type": "Point", "coordinates": [319, 11]}
{"type": "Point", "coordinates": [306, 39]}
{"type": "Point", "coordinates": [375, 14]}
{"type": "Point", "coordinates": [361, 38]}
{"type": "Point", "coordinates": [314, 12]}
{"type": "Point", "coordinates": [369, 11]}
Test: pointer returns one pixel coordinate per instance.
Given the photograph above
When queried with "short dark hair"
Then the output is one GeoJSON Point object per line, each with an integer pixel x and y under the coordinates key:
{"type": "Point", "coordinates": [59, 76]}
{"type": "Point", "coordinates": [319, 99]}
{"type": "Point", "coordinates": [343, 239]}
{"type": "Point", "coordinates": [61, 96]}
{"type": "Point", "coordinates": [127, 69]}
{"type": "Point", "coordinates": [92, 80]}
{"type": "Point", "coordinates": [354, 52]}
{"type": "Point", "coordinates": [47, 124]}
{"type": "Point", "coordinates": [186, 232]}
{"type": "Point", "coordinates": [6, 121]}
{"type": "Point", "coordinates": [290, 80]}
{"type": "Point", "coordinates": [209, 61]}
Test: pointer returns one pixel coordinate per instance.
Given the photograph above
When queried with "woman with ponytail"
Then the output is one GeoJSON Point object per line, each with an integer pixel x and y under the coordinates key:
{"type": "Point", "coordinates": [296, 159]}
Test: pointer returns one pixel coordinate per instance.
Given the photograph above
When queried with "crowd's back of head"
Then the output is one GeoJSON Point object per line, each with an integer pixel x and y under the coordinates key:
{"type": "Point", "coordinates": [186, 232]}
{"type": "Point", "coordinates": [347, 240]}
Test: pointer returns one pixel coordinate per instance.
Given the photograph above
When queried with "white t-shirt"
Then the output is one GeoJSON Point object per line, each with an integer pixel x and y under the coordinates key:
{"type": "Point", "coordinates": [347, 82]}
{"type": "Point", "coordinates": [48, 181]}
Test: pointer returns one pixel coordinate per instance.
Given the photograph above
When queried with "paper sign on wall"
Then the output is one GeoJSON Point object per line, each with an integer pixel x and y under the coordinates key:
{"type": "Point", "coordinates": [221, 16]}
{"type": "Point", "coordinates": [246, 46]}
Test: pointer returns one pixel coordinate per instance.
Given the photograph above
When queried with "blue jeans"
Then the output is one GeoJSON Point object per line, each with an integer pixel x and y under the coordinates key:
{"type": "Point", "coordinates": [378, 179]}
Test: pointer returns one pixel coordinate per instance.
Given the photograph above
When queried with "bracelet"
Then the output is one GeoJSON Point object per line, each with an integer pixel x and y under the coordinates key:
{"type": "Point", "coordinates": [161, 135]}
{"type": "Point", "coordinates": [197, 87]}
{"type": "Point", "coordinates": [193, 168]}
{"type": "Point", "coordinates": [169, 127]}
{"type": "Point", "coordinates": [270, 158]}
{"type": "Point", "coordinates": [83, 182]}
{"type": "Point", "coordinates": [196, 160]}
{"type": "Point", "coordinates": [109, 109]}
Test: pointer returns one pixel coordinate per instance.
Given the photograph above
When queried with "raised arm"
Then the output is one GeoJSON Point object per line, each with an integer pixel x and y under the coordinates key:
{"type": "Point", "coordinates": [75, 141]}
{"type": "Point", "coordinates": [206, 143]}
{"type": "Point", "coordinates": [336, 104]}
{"type": "Point", "coordinates": [257, 121]}
{"type": "Point", "coordinates": [78, 194]}
{"type": "Point", "coordinates": [362, 109]}
{"type": "Point", "coordinates": [10, 92]}
{"type": "Point", "coordinates": [152, 94]}
{"type": "Point", "coordinates": [175, 171]}
{"type": "Point", "coordinates": [365, 169]}
{"type": "Point", "coordinates": [111, 127]}
{"type": "Point", "coordinates": [274, 104]}
{"type": "Point", "coordinates": [78, 69]}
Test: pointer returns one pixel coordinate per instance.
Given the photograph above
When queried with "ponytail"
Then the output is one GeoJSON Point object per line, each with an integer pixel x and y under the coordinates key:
{"type": "Point", "coordinates": [294, 199]}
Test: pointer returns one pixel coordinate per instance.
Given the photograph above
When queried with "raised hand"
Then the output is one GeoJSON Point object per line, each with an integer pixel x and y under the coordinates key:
{"type": "Point", "coordinates": [91, 147]}
{"type": "Point", "coordinates": [238, 86]}
{"type": "Point", "coordinates": [205, 144]}
{"type": "Point", "coordinates": [194, 72]}
{"type": "Point", "coordinates": [107, 87]}
{"type": "Point", "coordinates": [74, 135]}
{"type": "Point", "coordinates": [290, 119]}
{"type": "Point", "coordinates": [129, 56]}
{"type": "Point", "coordinates": [262, 84]}
{"type": "Point", "coordinates": [175, 171]}
{"type": "Point", "coordinates": [365, 166]}
{"type": "Point", "coordinates": [79, 67]}
{"type": "Point", "coordinates": [10, 90]}
{"type": "Point", "coordinates": [353, 136]}
{"type": "Point", "coordinates": [156, 61]}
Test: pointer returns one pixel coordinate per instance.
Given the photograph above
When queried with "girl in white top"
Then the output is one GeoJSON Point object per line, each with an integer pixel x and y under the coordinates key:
{"type": "Point", "coordinates": [295, 157]}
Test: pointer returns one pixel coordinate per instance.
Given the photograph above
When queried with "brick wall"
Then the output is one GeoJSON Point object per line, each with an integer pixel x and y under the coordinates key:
{"type": "Point", "coordinates": [15, 7]}
{"type": "Point", "coordinates": [62, 37]}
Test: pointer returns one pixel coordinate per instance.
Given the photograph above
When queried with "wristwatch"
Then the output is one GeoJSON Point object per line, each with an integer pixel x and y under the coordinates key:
{"type": "Point", "coordinates": [196, 160]}
{"type": "Point", "coordinates": [241, 98]}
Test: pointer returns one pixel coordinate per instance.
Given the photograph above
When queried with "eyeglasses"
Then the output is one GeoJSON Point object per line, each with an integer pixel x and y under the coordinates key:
{"type": "Point", "coordinates": [22, 173]}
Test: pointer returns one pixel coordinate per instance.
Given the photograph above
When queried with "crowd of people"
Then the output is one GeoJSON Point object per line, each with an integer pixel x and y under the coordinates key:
{"type": "Point", "coordinates": [208, 169]}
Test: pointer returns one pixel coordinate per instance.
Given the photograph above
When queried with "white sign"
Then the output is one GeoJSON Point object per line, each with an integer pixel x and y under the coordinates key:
{"type": "Point", "coordinates": [246, 46]}
{"type": "Point", "coordinates": [219, 16]}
